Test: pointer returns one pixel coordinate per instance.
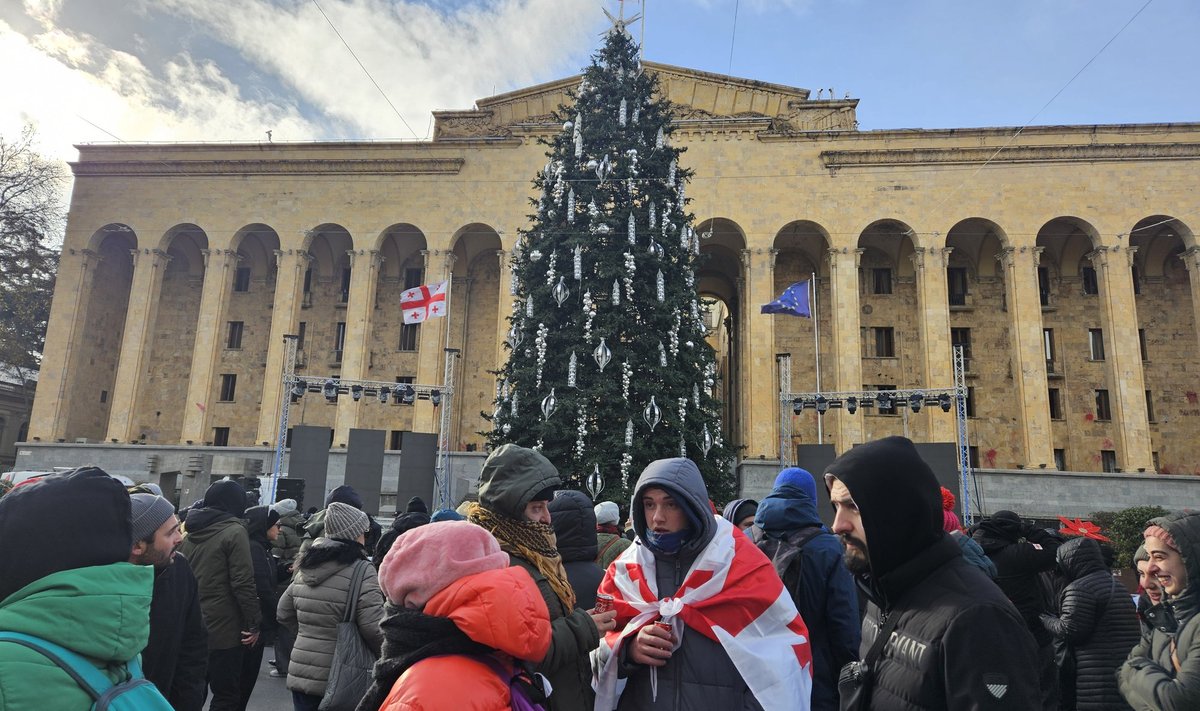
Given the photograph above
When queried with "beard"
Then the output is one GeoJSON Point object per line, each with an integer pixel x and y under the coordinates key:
{"type": "Point", "coordinates": [855, 555]}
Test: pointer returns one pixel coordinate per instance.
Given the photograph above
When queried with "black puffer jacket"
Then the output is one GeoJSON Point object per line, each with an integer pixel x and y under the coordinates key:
{"type": "Point", "coordinates": [1098, 622]}
{"type": "Point", "coordinates": [958, 643]}
{"type": "Point", "coordinates": [574, 522]}
{"type": "Point", "coordinates": [1021, 553]}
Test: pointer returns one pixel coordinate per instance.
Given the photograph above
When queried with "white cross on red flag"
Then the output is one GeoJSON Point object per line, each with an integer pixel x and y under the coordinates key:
{"type": "Point", "coordinates": [422, 302]}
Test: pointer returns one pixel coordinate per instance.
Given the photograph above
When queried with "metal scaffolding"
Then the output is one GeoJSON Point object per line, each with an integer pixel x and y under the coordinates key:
{"type": "Point", "coordinates": [852, 401]}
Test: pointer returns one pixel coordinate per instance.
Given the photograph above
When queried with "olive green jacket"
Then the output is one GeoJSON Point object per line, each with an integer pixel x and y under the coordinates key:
{"type": "Point", "coordinates": [218, 547]}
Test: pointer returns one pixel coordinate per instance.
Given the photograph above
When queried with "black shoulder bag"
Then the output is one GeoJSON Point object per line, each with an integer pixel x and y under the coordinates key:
{"type": "Point", "coordinates": [857, 678]}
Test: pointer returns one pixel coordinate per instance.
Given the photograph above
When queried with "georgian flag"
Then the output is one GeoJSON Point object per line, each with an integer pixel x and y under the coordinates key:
{"type": "Point", "coordinates": [731, 595]}
{"type": "Point", "coordinates": [423, 302]}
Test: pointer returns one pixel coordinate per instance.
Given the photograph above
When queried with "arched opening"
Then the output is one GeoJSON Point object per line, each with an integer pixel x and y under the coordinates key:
{"type": "Point", "coordinates": [474, 314]}
{"type": "Point", "coordinates": [1167, 338]}
{"type": "Point", "coordinates": [173, 336]}
{"type": "Point", "coordinates": [99, 344]}
{"type": "Point", "coordinates": [722, 242]}
{"type": "Point", "coordinates": [321, 326]}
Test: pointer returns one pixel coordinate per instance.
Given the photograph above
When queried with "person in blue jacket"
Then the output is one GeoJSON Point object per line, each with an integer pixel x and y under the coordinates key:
{"type": "Point", "coordinates": [809, 560]}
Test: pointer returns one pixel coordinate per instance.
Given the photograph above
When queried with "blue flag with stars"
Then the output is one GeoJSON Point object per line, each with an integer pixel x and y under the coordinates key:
{"type": "Point", "coordinates": [793, 301]}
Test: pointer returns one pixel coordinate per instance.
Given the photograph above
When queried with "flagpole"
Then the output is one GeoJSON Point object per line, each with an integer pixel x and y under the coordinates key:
{"type": "Point", "coordinates": [442, 467]}
{"type": "Point", "coordinates": [816, 316]}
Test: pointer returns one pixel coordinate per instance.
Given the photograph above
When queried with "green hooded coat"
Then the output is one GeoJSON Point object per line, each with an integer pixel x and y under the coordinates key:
{"type": "Point", "coordinates": [101, 612]}
{"type": "Point", "coordinates": [218, 547]}
{"type": "Point", "coordinates": [511, 477]}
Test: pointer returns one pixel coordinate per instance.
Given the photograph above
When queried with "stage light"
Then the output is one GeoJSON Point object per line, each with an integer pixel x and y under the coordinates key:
{"type": "Point", "coordinates": [436, 397]}
{"type": "Point", "coordinates": [822, 405]}
{"type": "Point", "coordinates": [383, 394]}
{"type": "Point", "coordinates": [330, 390]}
{"type": "Point", "coordinates": [298, 389]}
{"type": "Point", "coordinates": [884, 400]}
{"type": "Point", "coordinates": [356, 392]}
{"type": "Point", "coordinates": [410, 394]}
{"type": "Point", "coordinates": [797, 406]}
{"type": "Point", "coordinates": [915, 401]}
{"type": "Point", "coordinates": [852, 404]}
{"type": "Point", "coordinates": [944, 402]}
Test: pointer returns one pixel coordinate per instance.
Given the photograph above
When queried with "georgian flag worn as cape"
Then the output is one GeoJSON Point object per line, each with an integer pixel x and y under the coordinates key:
{"type": "Point", "coordinates": [423, 302]}
{"type": "Point", "coordinates": [731, 595]}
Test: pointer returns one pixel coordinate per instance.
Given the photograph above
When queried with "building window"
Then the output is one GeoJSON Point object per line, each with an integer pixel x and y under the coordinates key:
{"type": "Point", "coordinates": [1149, 406]}
{"type": "Point", "coordinates": [396, 437]}
{"type": "Point", "coordinates": [1044, 285]}
{"type": "Point", "coordinates": [1108, 461]}
{"type": "Point", "coordinates": [885, 341]}
{"type": "Point", "coordinates": [233, 339]}
{"type": "Point", "coordinates": [1055, 404]}
{"type": "Point", "coordinates": [956, 285]}
{"type": "Point", "coordinates": [890, 407]}
{"type": "Point", "coordinates": [1142, 344]}
{"type": "Point", "coordinates": [345, 293]}
{"type": "Point", "coordinates": [228, 386]}
{"type": "Point", "coordinates": [1096, 343]}
{"type": "Point", "coordinates": [1048, 345]}
{"type": "Point", "coordinates": [413, 276]}
{"type": "Point", "coordinates": [973, 456]}
{"type": "Point", "coordinates": [300, 334]}
{"type": "Point", "coordinates": [1060, 459]}
{"type": "Point", "coordinates": [103, 396]}
{"type": "Point", "coordinates": [241, 279]}
{"type": "Point", "coordinates": [308, 280]}
{"type": "Point", "coordinates": [339, 341]}
{"type": "Point", "coordinates": [1103, 412]}
{"type": "Point", "coordinates": [1091, 285]}
{"type": "Point", "coordinates": [962, 337]}
{"type": "Point", "coordinates": [220, 436]}
{"type": "Point", "coordinates": [881, 280]}
{"type": "Point", "coordinates": [970, 404]}
{"type": "Point", "coordinates": [408, 336]}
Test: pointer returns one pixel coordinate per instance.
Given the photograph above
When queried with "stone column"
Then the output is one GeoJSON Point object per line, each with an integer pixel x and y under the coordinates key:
{"type": "Point", "coordinates": [505, 307]}
{"type": "Point", "coordinates": [847, 339]}
{"type": "Point", "coordinates": [1191, 260]}
{"type": "Point", "coordinates": [1123, 356]}
{"type": "Point", "coordinates": [68, 315]}
{"type": "Point", "coordinates": [285, 312]}
{"type": "Point", "coordinates": [1028, 354]}
{"type": "Point", "coordinates": [219, 265]}
{"type": "Point", "coordinates": [760, 416]}
{"type": "Point", "coordinates": [144, 293]}
{"type": "Point", "coordinates": [933, 315]}
{"type": "Point", "coordinates": [356, 353]}
{"type": "Point", "coordinates": [431, 359]}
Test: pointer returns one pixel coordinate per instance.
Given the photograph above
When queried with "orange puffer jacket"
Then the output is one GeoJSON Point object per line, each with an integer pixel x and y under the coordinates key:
{"type": "Point", "coordinates": [502, 609]}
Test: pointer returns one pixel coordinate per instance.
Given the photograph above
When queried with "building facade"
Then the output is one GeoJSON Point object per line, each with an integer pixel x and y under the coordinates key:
{"type": "Point", "coordinates": [1063, 259]}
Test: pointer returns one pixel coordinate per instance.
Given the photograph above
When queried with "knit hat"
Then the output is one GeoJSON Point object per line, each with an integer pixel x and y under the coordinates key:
{"type": "Point", "coordinates": [738, 509]}
{"type": "Point", "coordinates": [1141, 554]}
{"type": "Point", "coordinates": [416, 505]}
{"type": "Point", "coordinates": [1161, 534]}
{"type": "Point", "coordinates": [148, 513]}
{"type": "Point", "coordinates": [285, 507]}
{"type": "Point", "coordinates": [345, 522]}
{"type": "Point", "coordinates": [346, 495]}
{"type": "Point", "coordinates": [950, 522]}
{"type": "Point", "coordinates": [446, 515]}
{"type": "Point", "coordinates": [62, 522]}
{"type": "Point", "coordinates": [423, 561]}
{"type": "Point", "coordinates": [607, 512]}
{"type": "Point", "coordinates": [799, 478]}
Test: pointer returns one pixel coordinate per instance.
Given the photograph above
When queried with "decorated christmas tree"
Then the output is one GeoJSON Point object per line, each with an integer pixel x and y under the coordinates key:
{"type": "Point", "coordinates": [608, 364]}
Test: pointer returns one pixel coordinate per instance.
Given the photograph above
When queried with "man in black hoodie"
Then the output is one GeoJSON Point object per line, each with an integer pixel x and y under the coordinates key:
{"type": "Point", "coordinates": [262, 526]}
{"type": "Point", "coordinates": [574, 522]}
{"type": "Point", "coordinates": [218, 548]}
{"type": "Point", "coordinates": [950, 639]}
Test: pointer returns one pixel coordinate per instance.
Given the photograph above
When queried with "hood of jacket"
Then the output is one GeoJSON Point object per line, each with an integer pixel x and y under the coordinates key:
{"type": "Point", "coordinates": [997, 533]}
{"type": "Point", "coordinates": [325, 557]}
{"type": "Point", "coordinates": [739, 509]}
{"type": "Point", "coordinates": [202, 524]}
{"type": "Point", "coordinates": [502, 609]}
{"type": "Point", "coordinates": [574, 522]}
{"type": "Point", "coordinates": [512, 476]}
{"type": "Point", "coordinates": [898, 496]}
{"type": "Point", "coordinates": [101, 612]}
{"type": "Point", "coordinates": [682, 478]}
{"type": "Point", "coordinates": [1078, 557]}
{"type": "Point", "coordinates": [228, 496]}
{"type": "Point", "coordinates": [786, 509]}
{"type": "Point", "coordinates": [294, 520]}
{"type": "Point", "coordinates": [1185, 529]}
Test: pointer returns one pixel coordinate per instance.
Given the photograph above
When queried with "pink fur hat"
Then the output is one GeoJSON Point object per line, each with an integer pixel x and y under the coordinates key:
{"type": "Point", "coordinates": [424, 560]}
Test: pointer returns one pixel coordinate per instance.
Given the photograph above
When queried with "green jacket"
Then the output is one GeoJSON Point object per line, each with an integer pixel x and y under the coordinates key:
{"type": "Point", "coordinates": [1148, 679]}
{"type": "Point", "coordinates": [511, 477]}
{"type": "Point", "coordinates": [610, 547]}
{"type": "Point", "coordinates": [291, 533]}
{"type": "Point", "coordinates": [101, 612]}
{"type": "Point", "coordinates": [218, 547]}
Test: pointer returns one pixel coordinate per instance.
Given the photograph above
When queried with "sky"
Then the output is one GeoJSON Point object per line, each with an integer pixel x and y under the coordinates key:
{"type": "Point", "coordinates": [83, 71]}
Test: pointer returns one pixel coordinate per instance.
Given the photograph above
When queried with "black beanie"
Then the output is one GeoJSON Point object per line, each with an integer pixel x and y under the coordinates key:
{"type": "Point", "coordinates": [76, 519]}
{"type": "Point", "coordinates": [899, 498]}
{"type": "Point", "coordinates": [344, 494]}
{"type": "Point", "coordinates": [416, 505]}
{"type": "Point", "coordinates": [226, 495]}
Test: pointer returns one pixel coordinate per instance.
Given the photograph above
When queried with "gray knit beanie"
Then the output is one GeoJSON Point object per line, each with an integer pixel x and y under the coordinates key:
{"type": "Point", "coordinates": [148, 512]}
{"type": "Point", "coordinates": [345, 522]}
{"type": "Point", "coordinates": [285, 507]}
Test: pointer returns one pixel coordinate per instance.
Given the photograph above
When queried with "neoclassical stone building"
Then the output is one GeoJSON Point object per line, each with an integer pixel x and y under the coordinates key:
{"type": "Point", "coordinates": [1064, 259]}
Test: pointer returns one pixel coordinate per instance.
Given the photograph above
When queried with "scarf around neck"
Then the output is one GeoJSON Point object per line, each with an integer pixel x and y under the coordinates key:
{"type": "Point", "coordinates": [531, 540]}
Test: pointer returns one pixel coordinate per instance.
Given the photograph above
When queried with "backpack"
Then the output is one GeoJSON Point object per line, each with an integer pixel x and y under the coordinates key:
{"type": "Point", "coordinates": [524, 692]}
{"type": "Point", "coordinates": [135, 694]}
{"type": "Point", "coordinates": [785, 554]}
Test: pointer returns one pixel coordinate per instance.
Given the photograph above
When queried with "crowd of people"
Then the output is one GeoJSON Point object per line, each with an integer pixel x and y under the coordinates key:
{"type": "Point", "coordinates": [531, 596]}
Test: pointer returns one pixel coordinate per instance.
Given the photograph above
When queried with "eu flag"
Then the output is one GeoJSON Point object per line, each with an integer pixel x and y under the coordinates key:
{"type": "Point", "coordinates": [793, 301]}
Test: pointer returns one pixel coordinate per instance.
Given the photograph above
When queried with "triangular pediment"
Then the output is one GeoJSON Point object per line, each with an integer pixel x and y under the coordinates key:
{"type": "Point", "coordinates": [697, 96]}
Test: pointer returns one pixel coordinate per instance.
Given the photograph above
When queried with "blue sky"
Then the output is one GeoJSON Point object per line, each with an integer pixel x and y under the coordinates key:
{"type": "Point", "coordinates": [222, 70]}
